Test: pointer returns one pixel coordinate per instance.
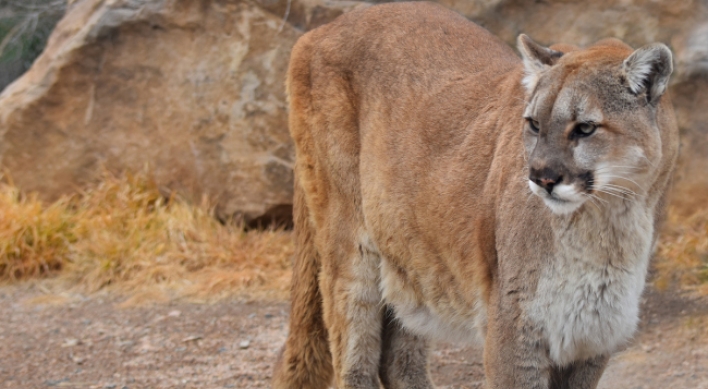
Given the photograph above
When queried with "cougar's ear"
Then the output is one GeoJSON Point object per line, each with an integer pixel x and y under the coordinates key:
{"type": "Point", "coordinates": [648, 70]}
{"type": "Point", "coordinates": [536, 59]}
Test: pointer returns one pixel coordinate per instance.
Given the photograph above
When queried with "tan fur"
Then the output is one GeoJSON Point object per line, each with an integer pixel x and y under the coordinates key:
{"type": "Point", "coordinates": [413, 214]}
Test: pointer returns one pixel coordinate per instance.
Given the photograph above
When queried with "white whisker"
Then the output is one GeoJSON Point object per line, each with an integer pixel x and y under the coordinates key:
{"type": "Point", "coordinates": [592, 200]}
{"type": "Point", "coordinates": [617, 167]}
{"type": "Point", "coordinates": [616, 194]}
{"type": "Point", "coordinates": [620, 189]}
{"type": "Point", "coordinates": [624, 178]}
{"type": "Point", "coordinates": [597, 198]}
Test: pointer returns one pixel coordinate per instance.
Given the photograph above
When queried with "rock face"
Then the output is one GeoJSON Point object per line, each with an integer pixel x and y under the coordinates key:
{"type": "Point", "coordinates": [191, 89]}
{"type": "Point", "coordinates": [690, 97]}
{"type": "Point", "coordinates": [194, 89]}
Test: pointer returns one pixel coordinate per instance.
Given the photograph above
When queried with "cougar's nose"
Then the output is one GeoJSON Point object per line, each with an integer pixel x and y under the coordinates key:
{"type": "Point", "coordinates": [546, 178]}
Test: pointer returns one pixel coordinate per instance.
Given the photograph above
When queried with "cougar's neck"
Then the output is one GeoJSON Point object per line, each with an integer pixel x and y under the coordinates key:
{"type": "Point", "coordinates": [617, 233]}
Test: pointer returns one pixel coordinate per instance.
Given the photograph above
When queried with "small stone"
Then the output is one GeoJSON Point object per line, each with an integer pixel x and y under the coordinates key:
{"type": "Point", "coordinates": [110, 386]}
{"type": "Point", "coordinates": [192, 338]}
{"type": "Point", "coordinates": [174, 313]}
{"type": "Point", "coordinates": [268, 316]}
{"type": "Point", "coordinates": [70, 342]}
{"type": "Point", "coordinates": [56, 382]}
{"type": "Point", "coordinates": [244, 344]}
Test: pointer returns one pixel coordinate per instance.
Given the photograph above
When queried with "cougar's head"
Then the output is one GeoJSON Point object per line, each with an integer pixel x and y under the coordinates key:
{"type": "Point", "coordinates": [590, 121]}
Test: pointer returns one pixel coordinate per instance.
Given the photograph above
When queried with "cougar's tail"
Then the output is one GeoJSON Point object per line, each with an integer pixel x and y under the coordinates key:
{"type": "Point", "coordinates": [305, 360]}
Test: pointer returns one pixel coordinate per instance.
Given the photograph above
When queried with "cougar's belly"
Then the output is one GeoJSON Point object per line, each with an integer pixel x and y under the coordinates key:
{"type": "Point", "coordinates": [428, 297]}
{"type": "Point", "coordinates": [424, 308]}
{"type": "Point", "coordinates": [431, 289]}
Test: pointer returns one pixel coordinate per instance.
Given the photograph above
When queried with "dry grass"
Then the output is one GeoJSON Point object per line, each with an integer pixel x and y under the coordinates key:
{"type": "Point", "coordinates": [122, 234]}
{"type": "Point", "coordinates": [682, 256]}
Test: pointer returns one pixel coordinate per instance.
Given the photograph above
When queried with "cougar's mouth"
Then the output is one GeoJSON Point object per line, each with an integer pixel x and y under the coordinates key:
{"type": "Point", "coordinates": [562, 200]}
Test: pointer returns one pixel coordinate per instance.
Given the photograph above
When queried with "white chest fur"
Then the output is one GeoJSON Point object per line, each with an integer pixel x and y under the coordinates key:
{"type": "Point", "coordinates": [587, 300]}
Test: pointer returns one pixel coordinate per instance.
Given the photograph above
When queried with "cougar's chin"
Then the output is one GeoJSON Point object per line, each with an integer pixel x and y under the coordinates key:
{"type": "Point", "coordinates": [563, 200]}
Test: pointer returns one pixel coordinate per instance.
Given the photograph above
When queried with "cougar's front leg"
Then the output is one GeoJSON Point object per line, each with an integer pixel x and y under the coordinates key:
{"type": "Point", "coordinates": [404, 357]}
{"type": "Point", "coordinates": [352, 313]}
{"type": "Point", "coordinates": [580, 375]}
{"type": "Point", "coordinates": [514, 355]}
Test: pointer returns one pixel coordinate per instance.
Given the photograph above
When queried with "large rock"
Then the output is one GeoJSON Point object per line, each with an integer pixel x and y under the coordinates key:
{"type": "Point", "coordinates": [308, 14]}
{"type": "Point", "coordinates": [192, 89]}
{"type": "Point", "coordinates": [690, 98]}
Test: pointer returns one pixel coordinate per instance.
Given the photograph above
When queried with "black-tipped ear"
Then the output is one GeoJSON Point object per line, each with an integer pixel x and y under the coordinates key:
{"type": "Point", "coordinates": [536, 59]}
{"type": "Point", "coordinates": [648, 70]}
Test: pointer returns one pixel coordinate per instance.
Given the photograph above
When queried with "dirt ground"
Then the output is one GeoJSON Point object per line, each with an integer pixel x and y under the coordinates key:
{"type": "Point", "coordinates": [73, 341]}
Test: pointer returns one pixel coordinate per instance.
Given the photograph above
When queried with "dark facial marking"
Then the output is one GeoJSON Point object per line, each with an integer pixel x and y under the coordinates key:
{"type": "Point", "coordinates": [588, 180]}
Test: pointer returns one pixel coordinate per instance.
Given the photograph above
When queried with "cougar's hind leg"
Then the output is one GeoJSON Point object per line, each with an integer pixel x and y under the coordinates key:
{"type": "Point", "coordinates": [352, 311]}
{"type": "Point", "coordinates": [324, 123]}
{"type": "Point", "coordinates": [404, 357]}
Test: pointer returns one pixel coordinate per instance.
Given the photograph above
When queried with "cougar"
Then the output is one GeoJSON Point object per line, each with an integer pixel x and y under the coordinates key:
{"type": "Point", "coordinates": [447, 189]}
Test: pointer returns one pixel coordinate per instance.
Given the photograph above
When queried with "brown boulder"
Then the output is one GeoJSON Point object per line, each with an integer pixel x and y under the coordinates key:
{"type": "Point", "coordinates": [193, 89]}
{"type": "Point", "coordinates": [690, 97]}
{"type": "Point", "coordinates": [308, 14]}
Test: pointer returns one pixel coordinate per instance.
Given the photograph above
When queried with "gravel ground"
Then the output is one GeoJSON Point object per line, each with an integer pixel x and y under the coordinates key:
{"type": "Point", "coordinates": [71, 341]}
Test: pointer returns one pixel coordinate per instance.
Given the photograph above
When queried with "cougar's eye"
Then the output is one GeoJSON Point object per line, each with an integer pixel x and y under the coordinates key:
{"type": "Point", "coordinates": [533, 125]}
{"type": "Point", "coordinates": [583, 129]}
